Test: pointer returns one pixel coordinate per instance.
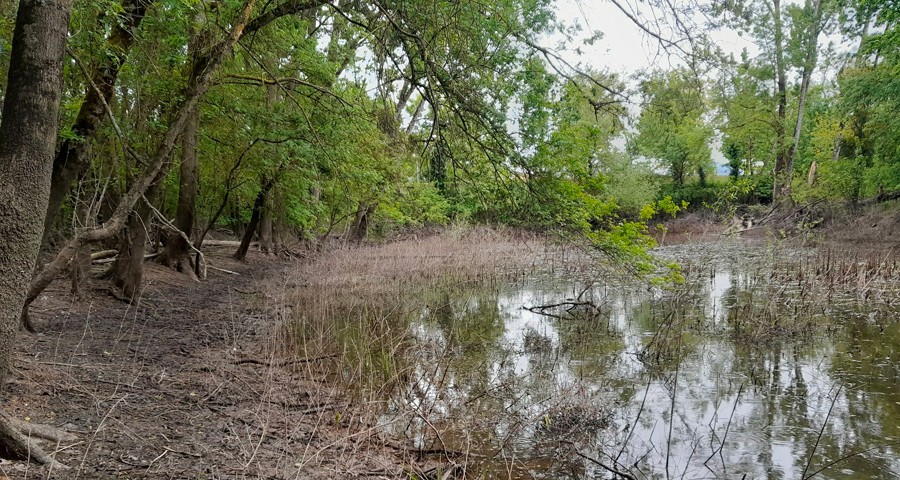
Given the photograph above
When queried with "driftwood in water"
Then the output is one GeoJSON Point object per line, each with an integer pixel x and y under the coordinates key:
{"type": "Point", "coordinates": [570, 306]}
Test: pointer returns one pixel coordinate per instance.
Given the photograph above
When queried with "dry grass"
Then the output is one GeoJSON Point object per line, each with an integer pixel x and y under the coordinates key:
{"type": "Point", "coordinates": [351, 309]}
{"type": "Point", "coordinates": [784, 293]}
{"type": "Point", "coordinates": [350, 304]}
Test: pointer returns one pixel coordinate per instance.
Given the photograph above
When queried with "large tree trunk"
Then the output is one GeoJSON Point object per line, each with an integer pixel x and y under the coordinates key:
{"type": "Point", "coordinates": [809, 65]}
{"type": "Point", "coordinates": [72, 159]}
{"type": "Point", "coordinates": [414, 120]}
{"type": "Point", "coordinates": [177, 254]}
{"type": "Point", "coordinates": [127, 272]}
{"type": "Point", "coordinates": [278, 222]}
{"type": "Point", "coordinates": [361, 223]}
{"type": "Point", "coordinates": [255, 215]}
{"type": "Point", "coordinates": [437, 164]}
{"type": "Point", "coordinates": [27, 137]}
{"type": "Point", "coordinates": [266, 242]}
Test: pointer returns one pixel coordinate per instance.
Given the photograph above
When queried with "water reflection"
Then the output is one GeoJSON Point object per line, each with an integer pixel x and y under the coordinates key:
{"type": "Point", "coordinates": [712, 381]}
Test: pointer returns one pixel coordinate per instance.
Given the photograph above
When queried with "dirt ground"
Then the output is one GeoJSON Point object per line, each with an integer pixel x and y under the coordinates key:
{"type": "Point", "coordinates": [189, 385]}
{"type": "Point", "coordinates": [817, 224]}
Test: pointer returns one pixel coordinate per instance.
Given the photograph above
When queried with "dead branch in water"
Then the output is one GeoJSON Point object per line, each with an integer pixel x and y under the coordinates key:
{"type": "Point", "coordinates": [570, 306]}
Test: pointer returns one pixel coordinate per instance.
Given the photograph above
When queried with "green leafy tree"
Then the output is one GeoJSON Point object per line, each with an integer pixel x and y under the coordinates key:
{"type": "Point", "coordinates": [671, 129]}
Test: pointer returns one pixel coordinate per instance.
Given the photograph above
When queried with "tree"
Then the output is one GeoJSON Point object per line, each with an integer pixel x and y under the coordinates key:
{"type": "Point", "coordinates": [177, 253]}
{"type": "Point", "coordinates": [787, 36]}
{"type": "Point", "coordinates": [748, 121]}
{"type": "Point", "coordinates": [28, 128]}
{"type": "Point", "coordinates": [810, 41]}
{"type": "Point", "coordinates": [870, 97]}
{"type": "Point", "coordinates": [764, 21]}
{"type": "Point", "coordinates": [154, 166]}
{"type": "Point", "coordinates": [72, 159]}
{"type": "Point", "coordinates": [671, 129]}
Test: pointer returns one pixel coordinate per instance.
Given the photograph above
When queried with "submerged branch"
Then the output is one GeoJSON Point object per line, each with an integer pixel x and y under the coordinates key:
{"type": "Point", "coordinates": [570, 306]}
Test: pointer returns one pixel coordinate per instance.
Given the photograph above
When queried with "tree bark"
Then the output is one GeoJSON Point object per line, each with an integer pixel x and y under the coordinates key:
{"type": "Point", "coordinates": [127, 272]}
{"type": "Point", "coordinates": [27, 137]}
{"type": "Point", "coordinates": [361, 223]}
{"type": "Point", "coordinates": [241, 253]}
{"type": "Point", "coordinates": [72, 159]}
{"type": "Point", "coordinates": [278, 224]}
{"type": "Point", "coordinates": [420, 107]}
{"type": "Point", "coordinates": [266, 243]}
{"type": "Point", "coordinates": [809, 64]}
{"type": "Point", "coordinates": [81, 269]}
{"type": "Point", "coordinates": [177, 254]}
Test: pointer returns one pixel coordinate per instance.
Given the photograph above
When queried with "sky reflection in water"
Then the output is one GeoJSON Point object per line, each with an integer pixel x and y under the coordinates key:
{"type": "Point", "coordinates": [521, 391]}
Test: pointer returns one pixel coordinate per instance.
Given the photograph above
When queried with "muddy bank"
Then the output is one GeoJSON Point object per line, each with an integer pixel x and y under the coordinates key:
{"type": "Point", "coordinates": [819, 223]}
{"type": "Point", "coordinates": [191, 383]}
{"type": "Point", "coordinates": [473, 353]}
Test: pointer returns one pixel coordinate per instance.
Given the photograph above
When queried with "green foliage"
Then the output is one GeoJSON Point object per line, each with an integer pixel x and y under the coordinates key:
{"type": "Point", "coordinates": [694, 195]}
{"type": "Point", "coordinates": [438, 112]}
{"type": "Point", "coordinates": [671, 129]}
{"type": "Point", "coordinates": [748, 119]}
{"type": "Point", "coordinates": [413, 204]}
{"type": "Point", "coordinates": [630, 183]}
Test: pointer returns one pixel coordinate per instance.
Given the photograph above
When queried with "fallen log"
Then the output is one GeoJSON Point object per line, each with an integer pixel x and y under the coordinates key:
{"type": "Point", "coordinates": [103, 254]}
{"type": "Point", "coordinates": [226, 243]}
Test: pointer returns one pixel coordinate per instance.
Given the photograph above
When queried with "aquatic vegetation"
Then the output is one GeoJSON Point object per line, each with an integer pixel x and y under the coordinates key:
{"type": "Point", "coordinates": [525, 359]}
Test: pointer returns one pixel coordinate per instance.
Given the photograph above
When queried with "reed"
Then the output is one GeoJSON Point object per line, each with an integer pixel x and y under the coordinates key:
{"type": "Point", "coordinates": [354, 305]}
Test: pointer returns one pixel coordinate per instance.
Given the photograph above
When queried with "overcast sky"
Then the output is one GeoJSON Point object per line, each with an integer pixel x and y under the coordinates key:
{"type": "Point", "coordinates": [624, 48]}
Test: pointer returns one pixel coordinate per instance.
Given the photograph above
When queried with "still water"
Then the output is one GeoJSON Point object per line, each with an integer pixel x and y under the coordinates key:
{"type": "Point", "coordinates": [770, 362]}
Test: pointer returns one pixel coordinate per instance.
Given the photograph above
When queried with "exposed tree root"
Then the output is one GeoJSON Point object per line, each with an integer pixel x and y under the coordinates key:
{"type": "Point", "coordinates": [45, 432]}
{"type": "Point", "coordinates": [17, 441]}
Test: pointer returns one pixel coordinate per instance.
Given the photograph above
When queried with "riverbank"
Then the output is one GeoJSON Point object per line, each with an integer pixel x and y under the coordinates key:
{"type": "Point", "coordinates": [446, 354]}
{"type": "Point", "coordinates": [190, 383]}
{"type": "Point", "coordinates": [823, 224]}
{"type": "Point", "coordinates": [209, 379]}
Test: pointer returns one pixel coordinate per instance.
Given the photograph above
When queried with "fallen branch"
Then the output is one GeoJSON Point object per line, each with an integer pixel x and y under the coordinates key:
{"type": "Point", "coordinates": [226, 243]}
{"type": "Point", "coordinates": [282, 363]}
{"type": "Point", "coordinates": [881, 197]}
{"type": "Point", "coordinates": [111, 260]}
{"type": "Point", "coordinates": [571, 305]}
{"type": "Point", "coordinates": [104, 254]}
{"type": "Point", "coordinates": [222, 270]}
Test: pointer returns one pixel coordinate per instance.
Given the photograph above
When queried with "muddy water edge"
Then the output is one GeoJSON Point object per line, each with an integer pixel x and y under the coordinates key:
{"type": "Point", "coordinates": [510, 356]}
